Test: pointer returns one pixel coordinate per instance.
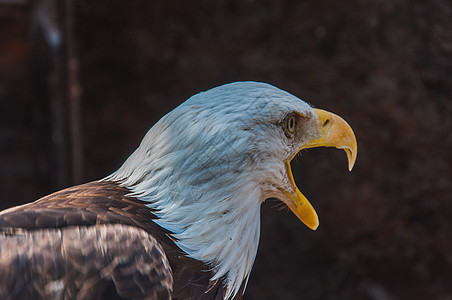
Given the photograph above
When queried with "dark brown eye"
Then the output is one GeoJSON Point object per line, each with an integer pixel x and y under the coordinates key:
{"type": "Point", "coordinates": [290, 123]}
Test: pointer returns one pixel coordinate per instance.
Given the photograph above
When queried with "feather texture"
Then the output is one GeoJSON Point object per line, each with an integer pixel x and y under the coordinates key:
{"type": "Point", "coordinates": [92, 212]}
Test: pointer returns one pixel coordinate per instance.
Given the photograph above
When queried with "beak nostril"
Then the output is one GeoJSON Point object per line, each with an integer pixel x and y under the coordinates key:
{"type": "Point", "coordinates": [327, 121]}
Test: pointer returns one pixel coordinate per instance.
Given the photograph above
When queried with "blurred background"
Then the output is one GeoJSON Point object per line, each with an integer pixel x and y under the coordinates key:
{"type": "Point", "coordinates": [82, 81]}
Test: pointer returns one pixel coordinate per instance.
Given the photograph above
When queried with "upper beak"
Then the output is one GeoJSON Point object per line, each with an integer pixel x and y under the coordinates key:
{"type": "Point", "coordinates": [334, 132]}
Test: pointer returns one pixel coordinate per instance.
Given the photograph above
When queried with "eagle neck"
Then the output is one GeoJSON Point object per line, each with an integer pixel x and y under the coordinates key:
{"type": "Point", "coordinates": [211, 207]}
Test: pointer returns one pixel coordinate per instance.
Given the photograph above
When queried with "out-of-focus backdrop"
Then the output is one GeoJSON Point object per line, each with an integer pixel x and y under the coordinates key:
{"type": "Point", "coordinates": [82, 81]}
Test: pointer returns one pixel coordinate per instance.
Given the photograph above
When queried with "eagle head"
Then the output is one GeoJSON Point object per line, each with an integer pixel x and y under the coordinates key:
{"type": "Point", "coordinates": [208, 165]}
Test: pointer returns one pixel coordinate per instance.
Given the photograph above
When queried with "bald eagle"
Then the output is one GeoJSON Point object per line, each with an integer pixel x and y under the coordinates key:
{"type": "Point", "coordinates": [180, 219]}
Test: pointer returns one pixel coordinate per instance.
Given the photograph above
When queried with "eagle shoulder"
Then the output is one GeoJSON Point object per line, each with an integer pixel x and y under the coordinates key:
{"type": "Point", "coordinates": [91, 211]}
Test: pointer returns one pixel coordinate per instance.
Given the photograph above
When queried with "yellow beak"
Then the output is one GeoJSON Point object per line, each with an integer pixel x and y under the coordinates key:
{"type": "Point", "coordinates": [335, 132]}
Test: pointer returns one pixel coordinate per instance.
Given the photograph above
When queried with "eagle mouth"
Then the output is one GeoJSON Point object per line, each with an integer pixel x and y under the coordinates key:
{"type": "Point", "coordinates": [334, 132]}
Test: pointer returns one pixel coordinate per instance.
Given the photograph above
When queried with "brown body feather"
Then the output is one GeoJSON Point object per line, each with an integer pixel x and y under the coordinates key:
{"type": "Point", "coordinates": [112, 248]}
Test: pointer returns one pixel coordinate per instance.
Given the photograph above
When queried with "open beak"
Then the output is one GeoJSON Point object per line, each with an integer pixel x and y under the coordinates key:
{"type": "Point", "coordinates": [334, 132]}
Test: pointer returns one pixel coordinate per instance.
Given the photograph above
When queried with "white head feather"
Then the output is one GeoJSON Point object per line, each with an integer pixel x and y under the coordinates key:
{"type": "Point", "coordinates": [207, 166]}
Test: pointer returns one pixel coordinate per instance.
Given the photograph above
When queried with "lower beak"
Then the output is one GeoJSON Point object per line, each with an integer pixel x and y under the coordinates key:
{"type": "Point", "coordinates": [334, 132]}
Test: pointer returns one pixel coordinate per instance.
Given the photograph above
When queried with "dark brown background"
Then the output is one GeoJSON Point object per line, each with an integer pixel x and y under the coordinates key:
{"type": "Point", "coordinates": [385, 66]}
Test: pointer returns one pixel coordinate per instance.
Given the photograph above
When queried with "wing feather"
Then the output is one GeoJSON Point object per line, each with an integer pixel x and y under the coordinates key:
{"type": "Point", "coordinates": [83, 262]}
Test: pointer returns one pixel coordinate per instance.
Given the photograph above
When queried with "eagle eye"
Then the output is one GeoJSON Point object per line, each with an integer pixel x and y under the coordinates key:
{"type": "Point", "coordinates": [290, 123]}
